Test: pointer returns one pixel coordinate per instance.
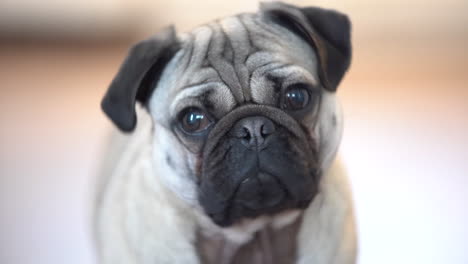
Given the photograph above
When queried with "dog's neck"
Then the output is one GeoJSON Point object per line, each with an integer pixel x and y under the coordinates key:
{"type": "Point", "coordinates": [265, 240]}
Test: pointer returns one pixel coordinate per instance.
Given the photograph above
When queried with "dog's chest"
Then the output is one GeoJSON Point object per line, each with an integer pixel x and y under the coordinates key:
{"type": "Point", "coordinates": [269, 246]}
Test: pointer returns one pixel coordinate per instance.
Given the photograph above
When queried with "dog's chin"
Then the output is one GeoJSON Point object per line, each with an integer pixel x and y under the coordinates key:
{"type": "Point", "coordinates": [228, 220]}
{"type": "Point", "coordinates": [249, 184]}
{"type": "Point", "coordinates": [238, 212]}
{"type": "Point", "coordinates": [254, 197]}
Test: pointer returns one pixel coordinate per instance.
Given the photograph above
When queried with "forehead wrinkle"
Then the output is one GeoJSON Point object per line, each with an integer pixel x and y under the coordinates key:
{"type": "Point", "coordinates": [201, 42]}
{"type": "Point", "coordinates": [264, 37]}
{"type": "Point", "coordinates": [201, 76]}
{"type": "Point", "coordinates": [268, 67]}
{"type": "Point", "coordinates": [270, 80]}
{"type": "Point", "coordinates": [255, 47]}
{"type": "Point", "coordinates": [187, 53]}
{"type": "Point", "coordinates": [195, 46]}
{"type": "Point", "coordinates": [225, 69]}
{"type": "Point", "coordinates": [238, 36]}
{"type": "Point", "coordinates": [292, 74]}
{"type": "Point", "coordinates": [282, 43]}
{"type": "Point", "coordinates": [222, 97]}
{"type": "Point", "coordinates": [190, 92]}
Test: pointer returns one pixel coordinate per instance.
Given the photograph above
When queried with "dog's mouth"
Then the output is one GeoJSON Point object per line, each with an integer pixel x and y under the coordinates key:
{"type": "Point", "coordinates": [262, 191]}
{"type": "Point", "coordinates": [261, 195]}
{"type": "Point", "coordinates": [245, 179]}
{"type": "Point", "coordinates": [256, 195]}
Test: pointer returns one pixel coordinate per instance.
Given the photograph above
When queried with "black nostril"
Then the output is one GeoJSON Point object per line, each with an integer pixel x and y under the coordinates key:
{"type": "Point", "coordinates": [263, 131]}
{"type": "Point", "coordinates": [267, 128]}
{"type": "Point", "coordinates": [253, 131]}
{"type": "Point", "coordinates": [246, 134]}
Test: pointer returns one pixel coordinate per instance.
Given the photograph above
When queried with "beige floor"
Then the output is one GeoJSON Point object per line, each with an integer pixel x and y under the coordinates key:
{"type": "Point", "coordinates": [405, 145]}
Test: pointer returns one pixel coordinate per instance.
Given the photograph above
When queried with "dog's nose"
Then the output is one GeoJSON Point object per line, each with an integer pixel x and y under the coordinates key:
{"type": "Point", "coordinates": [253, 131]}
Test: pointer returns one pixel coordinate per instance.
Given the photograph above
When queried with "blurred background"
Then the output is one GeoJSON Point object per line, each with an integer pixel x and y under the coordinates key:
{"type": "Point", "coordinates": [405, 100]}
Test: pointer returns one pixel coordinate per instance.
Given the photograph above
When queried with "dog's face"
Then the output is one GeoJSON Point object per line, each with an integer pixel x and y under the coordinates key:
{"type": "Point", "coordinates": [244, 108]}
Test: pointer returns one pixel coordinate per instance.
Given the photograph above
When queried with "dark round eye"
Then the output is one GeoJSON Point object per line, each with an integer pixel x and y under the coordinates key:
{"type": "Point", "coordinates": [194, 120]}
{"type": "Point", "coordinates": [296, 98]}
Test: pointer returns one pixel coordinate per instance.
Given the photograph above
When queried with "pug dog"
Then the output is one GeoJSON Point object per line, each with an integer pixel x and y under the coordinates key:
{"type": "Point", "coordinates": [234, 156]}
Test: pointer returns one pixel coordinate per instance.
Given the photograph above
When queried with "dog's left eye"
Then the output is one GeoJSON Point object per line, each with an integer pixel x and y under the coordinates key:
{"type": "Point", "coordinates": [194, 120]}
{"type": "Point", "coordinates": [295, 98]}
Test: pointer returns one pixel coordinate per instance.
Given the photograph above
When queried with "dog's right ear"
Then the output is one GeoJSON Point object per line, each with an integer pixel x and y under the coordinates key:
{"type": "Point", "coordinates": [137, 77]}
{"type": "Point", "coordinates": [327, 31]}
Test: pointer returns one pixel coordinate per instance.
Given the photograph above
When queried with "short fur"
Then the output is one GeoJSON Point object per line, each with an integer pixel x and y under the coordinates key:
{"type": "Point", "coordinates": [140, 221]}
{"type": "Point", "coordinates": [170, 192]}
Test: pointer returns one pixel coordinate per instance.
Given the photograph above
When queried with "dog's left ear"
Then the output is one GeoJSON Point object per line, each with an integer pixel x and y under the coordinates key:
{"type": "Point", "coordinates": [329, 33]}
{"type": "Point", "coordinates": [137, 77]}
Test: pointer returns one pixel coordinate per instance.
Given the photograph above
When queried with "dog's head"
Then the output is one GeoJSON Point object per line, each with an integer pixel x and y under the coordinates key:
{"type": "Point", "coordinates": [244, 108]}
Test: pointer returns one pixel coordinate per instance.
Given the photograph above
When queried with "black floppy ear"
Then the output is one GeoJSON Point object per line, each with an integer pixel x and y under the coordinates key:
{"type": "Point", "coordinates": [328, 31]}
{"type": "Point", "coordinates": [137, 77]}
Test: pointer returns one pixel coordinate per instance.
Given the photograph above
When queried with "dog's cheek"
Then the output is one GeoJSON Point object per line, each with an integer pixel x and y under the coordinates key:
{"type": "Point", "coordinates": [329, 129]}
{"type": "Point", "coordinates": [174, 164]}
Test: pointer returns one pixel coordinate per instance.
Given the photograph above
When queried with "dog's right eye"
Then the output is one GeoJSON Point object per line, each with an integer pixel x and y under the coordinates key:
{"type": "Point", "coordinates": [296, 97]}
{"type": "Point", "coordinates": [194, 120]}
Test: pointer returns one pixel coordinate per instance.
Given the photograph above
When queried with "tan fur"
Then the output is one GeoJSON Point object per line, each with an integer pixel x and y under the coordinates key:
{"type": "Point", "coordinates": [147, 207]}
{"type": "Point", "coordinates": [140, 221]}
